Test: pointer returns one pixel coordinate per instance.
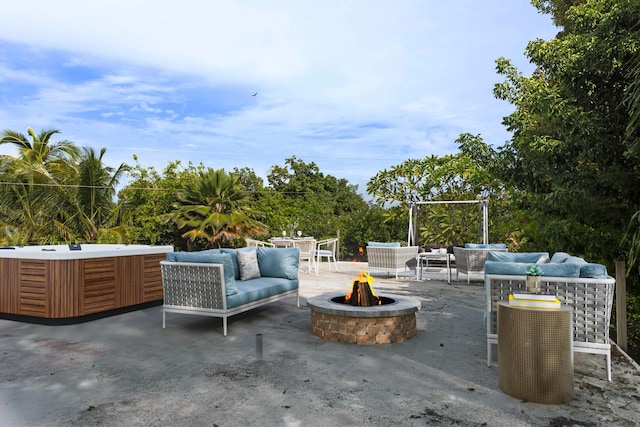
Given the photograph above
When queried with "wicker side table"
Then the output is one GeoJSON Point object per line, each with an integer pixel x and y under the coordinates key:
{"type": "Point", "coordinates": [535, 354]}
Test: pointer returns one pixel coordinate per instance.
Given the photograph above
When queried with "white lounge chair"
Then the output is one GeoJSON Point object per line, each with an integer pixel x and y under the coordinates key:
{"type": "Point", "coordinates": [391, 258]}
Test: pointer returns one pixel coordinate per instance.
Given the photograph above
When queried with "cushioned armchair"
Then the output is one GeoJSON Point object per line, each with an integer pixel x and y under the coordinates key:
{"type": "Point", "coordinates": [472, 257]}
{"type": "Point", "coordinates": [391, 257]}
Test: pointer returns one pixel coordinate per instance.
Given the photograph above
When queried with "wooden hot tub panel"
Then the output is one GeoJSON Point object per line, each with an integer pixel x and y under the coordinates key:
{"type": "Point", "coordinates": [78, 287]}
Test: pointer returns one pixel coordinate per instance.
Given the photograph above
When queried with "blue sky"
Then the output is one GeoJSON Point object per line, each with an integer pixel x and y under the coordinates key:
{"type": "Point", "coordinates": [354, 86]}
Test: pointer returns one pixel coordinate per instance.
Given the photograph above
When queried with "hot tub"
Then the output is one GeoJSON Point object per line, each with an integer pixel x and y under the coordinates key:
{"type": "Point", "coordinates": [62, 284]}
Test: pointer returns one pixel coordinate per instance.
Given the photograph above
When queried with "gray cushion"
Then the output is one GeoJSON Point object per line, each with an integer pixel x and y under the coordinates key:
{"type": "Point", "coordinates": [248, 264]}
{"type": "Point", "coordinates": [279, 262]}
{"type": "Point", "coordinates": [544, 259]}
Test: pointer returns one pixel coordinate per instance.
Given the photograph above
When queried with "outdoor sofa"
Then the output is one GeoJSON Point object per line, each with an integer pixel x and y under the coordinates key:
{"type": "Point", "coordinates": [585, 287]}
{"type": "Point", "coordinates": [224, 282]}
{"type": "Point", "coordinates": [390, 257]}
{"type": "Point", "coordinates": [471, 257]}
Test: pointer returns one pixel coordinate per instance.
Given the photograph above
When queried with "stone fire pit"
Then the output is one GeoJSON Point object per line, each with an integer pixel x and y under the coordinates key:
{"type": "Point", "coordinates": [392, 322]}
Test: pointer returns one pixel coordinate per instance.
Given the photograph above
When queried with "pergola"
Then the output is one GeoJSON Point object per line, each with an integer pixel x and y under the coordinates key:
{"type": "Point", "coordinates": [413, 224]}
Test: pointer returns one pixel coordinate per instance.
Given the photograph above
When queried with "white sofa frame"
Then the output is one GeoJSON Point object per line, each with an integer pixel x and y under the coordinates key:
{"type": "Point", "coordinates": [590, 299]}
{"type": "Point", "coordinates": [199, 289]}
{"type": "Point", "coordinates": [391, 258]}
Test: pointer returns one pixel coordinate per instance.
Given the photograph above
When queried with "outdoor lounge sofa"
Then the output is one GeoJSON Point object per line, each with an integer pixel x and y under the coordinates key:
{"type": "Point", "coordinates": [585, 287]}
{"type": "Point", "coordinates": [472, 257]}
{"type": "Point", "coordinates": [224, 282]}
{"type": "Point", "coordinates": [391, 257]}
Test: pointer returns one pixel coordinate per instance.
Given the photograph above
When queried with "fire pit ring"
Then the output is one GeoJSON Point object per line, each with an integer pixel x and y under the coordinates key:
{"type": "Point", "coordinates": [388, 323]}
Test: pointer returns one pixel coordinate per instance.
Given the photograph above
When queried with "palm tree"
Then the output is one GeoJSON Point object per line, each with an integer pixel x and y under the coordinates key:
{"type": "Point", "coordinates": [40, 149]}
{"type": "Point", "coordinates": [91, 205]}
{"type": "Point", "coordinates": [28, 180]}
{"type": "Point", "coordinates": [53, 191]}
{"type": "Point", "coordinates": [214, 208]}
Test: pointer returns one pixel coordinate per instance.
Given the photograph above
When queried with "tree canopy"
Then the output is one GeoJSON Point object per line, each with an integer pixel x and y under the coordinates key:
{"type": "Point", "coordinates": [568, 156]}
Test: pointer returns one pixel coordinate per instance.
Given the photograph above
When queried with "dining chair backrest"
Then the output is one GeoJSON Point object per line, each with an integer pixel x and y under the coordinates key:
{"type": "Point", "coordinates": [327, 248]}
{"type": "Point", "coordinates": [307, 249]}
{"type": "Point", "coordinates": [258, 243]}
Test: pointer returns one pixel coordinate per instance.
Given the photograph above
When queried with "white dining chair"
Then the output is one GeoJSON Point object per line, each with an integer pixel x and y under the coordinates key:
{"type": "Point", "coordinates": [327, 248]}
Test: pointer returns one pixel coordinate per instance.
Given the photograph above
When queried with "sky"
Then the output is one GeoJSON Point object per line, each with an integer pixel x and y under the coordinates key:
{"type": "Point", "coordinates": [355, 86]}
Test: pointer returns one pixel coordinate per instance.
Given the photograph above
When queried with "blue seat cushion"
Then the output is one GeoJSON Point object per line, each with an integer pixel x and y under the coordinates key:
{"type": "Point", "coordinates": [257, 289]}
{"type": "Point", "coordinates": [384, 244]}
{"type": "Point", "coordinates": [279, 262]}
{"type": "Point", "coordinates": [519, 269]}
{"type": "Point", "coordinates": [528, 257]}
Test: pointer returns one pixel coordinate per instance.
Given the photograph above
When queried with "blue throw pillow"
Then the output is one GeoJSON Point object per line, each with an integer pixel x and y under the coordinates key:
{"type": "Point", "coordinates": [593, 271]}
{"type": "Point", "coordinates": [199, 256]}
{"type": "Point", "coordinates": [560, 257]}
{"type": "Point", "coordinates": [279, 262]}
{"type": "Point", "coordinates": [231, 287]}
{"type": "Point", "coordinates": [384, 244]}
{"type": "Point", "coordinates": [574, 260]}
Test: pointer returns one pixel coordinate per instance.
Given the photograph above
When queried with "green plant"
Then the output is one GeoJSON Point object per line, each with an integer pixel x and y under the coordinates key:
{"type": "Point", "coordinates": [533, 270]}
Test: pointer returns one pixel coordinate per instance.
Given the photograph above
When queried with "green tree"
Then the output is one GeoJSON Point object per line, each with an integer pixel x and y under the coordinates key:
{"type": "Point", "coordinates": [301, 197]}
{"type": "Point", "coordinates": [149, 196]}
{"type": "Point", "coordinates": [567, 159]}
{"type": "Point", "coordinates": [215, 209]}
{"type": "Point", "coordinates": [41, 150]}
{"type": "Point", "coordinates": [34, 186]}
{"type": "Point", "coordinates": [448, 178]}
{"type": "Point", "coordinates": [54, 191]}
{"type": "Point", "coordinates": [95, 210]}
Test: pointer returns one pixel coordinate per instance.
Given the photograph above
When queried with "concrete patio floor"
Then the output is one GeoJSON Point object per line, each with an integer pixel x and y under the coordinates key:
{"type": "Point", "coordinates": [126, 370]}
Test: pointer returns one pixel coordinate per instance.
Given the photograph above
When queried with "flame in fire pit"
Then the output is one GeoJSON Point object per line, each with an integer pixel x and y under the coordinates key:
{"type": "Point", "coordinates": [362, 293]}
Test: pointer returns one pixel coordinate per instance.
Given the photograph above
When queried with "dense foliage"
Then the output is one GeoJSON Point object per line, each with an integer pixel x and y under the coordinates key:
{"type": "Point", "coordinates": [55, 192]}
{"type": "Point", "coordinates": [573, 157]}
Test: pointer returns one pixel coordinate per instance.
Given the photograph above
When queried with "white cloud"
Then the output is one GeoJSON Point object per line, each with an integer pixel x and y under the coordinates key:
{"type": "Point", "coordinates": [355, 86]}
